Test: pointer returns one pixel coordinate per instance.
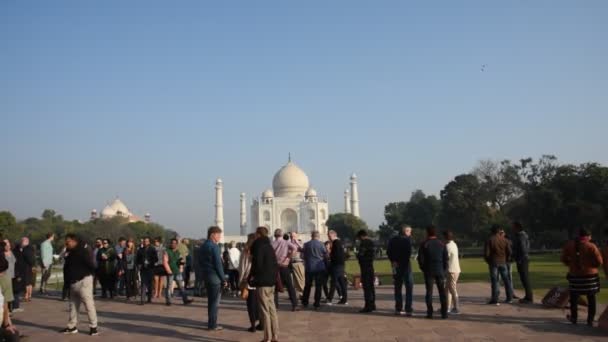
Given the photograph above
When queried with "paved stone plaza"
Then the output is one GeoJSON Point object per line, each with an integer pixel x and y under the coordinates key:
{"type": "Point", "coordinates": [156, 322]}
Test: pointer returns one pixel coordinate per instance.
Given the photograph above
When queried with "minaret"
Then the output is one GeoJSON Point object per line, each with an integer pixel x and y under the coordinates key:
{"type": "Point", "coordinates": [347, 201]}
{"type": "Point", "coordinates": [219, 204]}
{"type": "Point", "coordinates": [93, 214]}
{"type": "Point", "coordinates": [354, 195]}
{"type": "Point", "coordinates": [243, 214]}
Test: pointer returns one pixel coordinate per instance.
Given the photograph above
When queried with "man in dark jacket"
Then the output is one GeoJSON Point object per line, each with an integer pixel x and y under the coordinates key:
{"type": "Point", "coordinates": [213, 270]}
{"type": "Point", "coordinates": [337, 260]}
{"type": "Point", "coordinates": [365, 255]}
{"type": "Point", "coordinates": [79, 274]}
{"type": "Point", "coordinates": [521, 249]}
{"type": "Point", "coordinates": [146, 259]}
{"type": "Point", "coordinates": [264, 268]}
{"type": "Point", "coordinates": [433, 261]}
{"type": "Point", "coordinates": [497, 252]}
{"type": "Point", "coordinates": [399, 252]}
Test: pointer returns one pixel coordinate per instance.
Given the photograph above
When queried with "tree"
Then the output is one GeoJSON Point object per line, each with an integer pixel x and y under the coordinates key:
{"type": "Point", "coordinates": [420, 211]}
{"type": "Point", "coordinates": [464, 206]}
{"type": "Point", "coordinates": [501, 182]}
{"type": "Point", "coordinates": [385, 232]}
{"type": "Point", "coordinates": [346, 225]}
{"type": "Point", "coordinates": [9, 228]}
{"type": "Point", "coordinates": [7, 220]}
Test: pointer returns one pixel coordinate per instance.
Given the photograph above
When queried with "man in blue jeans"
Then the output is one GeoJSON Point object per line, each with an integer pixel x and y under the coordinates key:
{"type": "Point", "coordinates": [314, 262]}
{"type": "Point", "coordinates": [497, 252]}
{"type": "Point", "coordinates": [172, 263]}
{"type": "Point", "coordinates": [399, 252]}
{"type": "Point", "coordinates": [213, 271]}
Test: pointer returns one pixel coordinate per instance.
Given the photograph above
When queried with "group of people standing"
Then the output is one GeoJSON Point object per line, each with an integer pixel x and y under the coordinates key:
{"type": "Point", "coordinates": [121, 269]}
{"type": "Point", "coordinates": [17, 280]}
{"type": "Point", "coordinates": [266, 267]}
{"type": "Point", "coordinates": [439, 262]}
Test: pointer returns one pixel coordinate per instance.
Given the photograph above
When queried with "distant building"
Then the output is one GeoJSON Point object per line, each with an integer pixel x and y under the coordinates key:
{"type": "Point", "coordinates": [118, 209]}
{"type": "Point", "coordinates": [292, 205]}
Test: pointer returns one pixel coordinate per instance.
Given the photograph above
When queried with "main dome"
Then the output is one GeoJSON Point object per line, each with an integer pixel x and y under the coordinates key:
{"type": "Point", "coordinates": [290, 181]}
{"type": "Point", "coordinates": [120, 207]}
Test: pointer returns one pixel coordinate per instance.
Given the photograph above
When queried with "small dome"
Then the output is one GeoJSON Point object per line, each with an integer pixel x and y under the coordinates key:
{"type": "Point", "coordinates": [353, 176]}
{"type": "Point", "coordinates": [311, 193]}
{"type": "Point", "coordinates": [267, 194]}
{"type": "Point", "coordinates": [108, 212]}
{"type": "Point", "coordinates": [120, 207]}
{"type": "Point", "coordinates": [290, 181]}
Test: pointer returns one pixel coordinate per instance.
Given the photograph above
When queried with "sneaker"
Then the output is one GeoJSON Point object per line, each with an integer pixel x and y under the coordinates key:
{"type": "Point", "coordinates": [509, 301]}
{"type": "Point", "coordinates": [526, 301]}
{"type": "Point", "coordinates": [18, 310]}
{"type": "Point", "coordinates": [409, 314]}
{"type": "Point", "coordinates": [399, 313]}
{"type": "Point", "coordinates": [493, 302]}
{"type": "Point", "coordinates": [68, 331]}
{"type": "Point", "coordinates": [342, 303]}
{"type": "Point", "coordinates": [329, 303]}
{"type": "Point", "coordinates": [93, 332]}
{"type": "Point", "coordinates": [218, 328]}
{"type": "Point", "coordinates": [455, 312]}
{"type": "Point", "coordinates": [188, 301]}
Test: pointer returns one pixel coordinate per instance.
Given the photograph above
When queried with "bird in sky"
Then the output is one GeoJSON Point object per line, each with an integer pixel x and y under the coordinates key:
{"type": "Point", "coordinates": [483, 67]}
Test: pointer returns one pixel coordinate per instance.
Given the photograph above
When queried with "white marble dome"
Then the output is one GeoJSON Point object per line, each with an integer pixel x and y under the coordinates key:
{"type": "Point", "coordinates": [311, 193]}
{"type": "Point", "coordinates": [108, 212]}
{"type": "Point", "coordinates": [290, 181]}
{"type": "Point", "coordinates": [119, 207]}
{"type": "Point", "coordinates": [267, 194]}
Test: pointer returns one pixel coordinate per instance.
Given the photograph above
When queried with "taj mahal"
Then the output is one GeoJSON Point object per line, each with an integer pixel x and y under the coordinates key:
{"type": "Point", "coordinates": [292, 205]}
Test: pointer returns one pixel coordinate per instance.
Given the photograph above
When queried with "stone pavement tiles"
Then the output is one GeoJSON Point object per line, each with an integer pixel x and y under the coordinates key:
{"type": "Point", "coordinates": [121, 321]}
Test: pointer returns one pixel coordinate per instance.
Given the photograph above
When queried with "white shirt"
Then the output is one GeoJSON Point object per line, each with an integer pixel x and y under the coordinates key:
{"type": "Point", "coordinates": [453, 263]}
{"type": "Point", "coordinates": [235, 255]}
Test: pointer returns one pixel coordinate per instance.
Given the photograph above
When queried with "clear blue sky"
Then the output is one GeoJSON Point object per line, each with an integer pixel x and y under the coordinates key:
{"type": "Point", "coordinates": [152, 100]}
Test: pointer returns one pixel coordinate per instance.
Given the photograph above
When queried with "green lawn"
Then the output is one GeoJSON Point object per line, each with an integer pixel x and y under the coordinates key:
{"type": "Point", "coordinates": [545, 271]}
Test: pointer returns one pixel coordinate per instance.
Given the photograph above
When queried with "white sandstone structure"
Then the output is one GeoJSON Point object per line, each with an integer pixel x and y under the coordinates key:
{"type": "Point", "coordinates": [292, 205]}
{"type": "Point", "coordinates": [118, 209]}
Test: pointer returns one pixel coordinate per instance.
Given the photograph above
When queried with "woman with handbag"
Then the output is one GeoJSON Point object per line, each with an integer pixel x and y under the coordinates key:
{"type": "Point", "coordinates": [247, 291]}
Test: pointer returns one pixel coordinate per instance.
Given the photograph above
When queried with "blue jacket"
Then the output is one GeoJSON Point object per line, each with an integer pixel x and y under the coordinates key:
{"type": "Point", "coordinates": [314, 256]}
{"type": "Point", "coordinates": [210, 262]}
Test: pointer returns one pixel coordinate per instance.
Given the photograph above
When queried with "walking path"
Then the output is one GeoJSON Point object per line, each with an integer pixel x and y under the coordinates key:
{"type": "Point", "coordinates": [120, 321]}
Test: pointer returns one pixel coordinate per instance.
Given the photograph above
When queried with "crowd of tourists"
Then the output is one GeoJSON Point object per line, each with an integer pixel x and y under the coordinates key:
{"type": "Point", "coordinates": [264, 267]}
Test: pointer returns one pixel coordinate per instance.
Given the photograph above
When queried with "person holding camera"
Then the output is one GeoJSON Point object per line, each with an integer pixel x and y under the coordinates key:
{"type": "Point", "coordinates": [172, 262]}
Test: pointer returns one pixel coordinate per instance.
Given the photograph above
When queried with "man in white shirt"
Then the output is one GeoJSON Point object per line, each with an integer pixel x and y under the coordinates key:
{"type": "Point", "coordinates": [453, 272]}
{"type": "Point", "coordinates": [233, 267]}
